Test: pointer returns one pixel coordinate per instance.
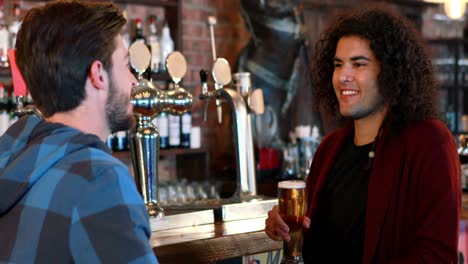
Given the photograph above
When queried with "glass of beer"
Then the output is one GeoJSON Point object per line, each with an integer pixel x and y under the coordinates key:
{"type": "Point", "coordinates": [292, 205]}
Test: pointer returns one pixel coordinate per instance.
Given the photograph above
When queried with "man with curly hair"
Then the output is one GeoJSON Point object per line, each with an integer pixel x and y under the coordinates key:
{"type": "Point", "coordinates": [385, 186]}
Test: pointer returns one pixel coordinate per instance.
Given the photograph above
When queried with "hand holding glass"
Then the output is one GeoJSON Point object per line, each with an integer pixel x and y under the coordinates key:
{"type": "Point", "coordinates": [292, 204]}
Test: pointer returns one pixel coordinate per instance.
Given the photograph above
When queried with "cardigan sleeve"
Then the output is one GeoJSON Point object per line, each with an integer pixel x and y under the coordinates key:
{"type": "Point", "coordinates": [436, 168]}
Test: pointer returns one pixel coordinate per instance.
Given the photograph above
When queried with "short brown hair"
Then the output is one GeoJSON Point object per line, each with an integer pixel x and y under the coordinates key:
{"type": "Point", "coordinates": [56, 46]}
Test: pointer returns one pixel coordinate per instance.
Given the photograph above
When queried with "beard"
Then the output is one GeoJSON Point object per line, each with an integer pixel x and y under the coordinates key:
{"type": "Point", "coordinates": [116, 110]}
{"type": "Point", "coordinates": [363, 111]}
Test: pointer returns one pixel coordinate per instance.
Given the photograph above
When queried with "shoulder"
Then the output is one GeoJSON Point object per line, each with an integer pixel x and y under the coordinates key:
{"type": "Point", "coordinates": [109, 185]}
{"type": "Point", "coordinates": [92, 163]}
{"type": "Point", "coordinates": [427, 132]}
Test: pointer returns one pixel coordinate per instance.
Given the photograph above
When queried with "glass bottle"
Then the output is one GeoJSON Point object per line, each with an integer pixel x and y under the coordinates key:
{"type": "Point", "coordinates": [167, 45]}
{"type": "Point", "coordinates": [153, 43]}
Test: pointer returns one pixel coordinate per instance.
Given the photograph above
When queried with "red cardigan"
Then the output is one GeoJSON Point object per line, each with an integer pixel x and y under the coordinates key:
{"type": "Point", "coordinates": [414, 195]}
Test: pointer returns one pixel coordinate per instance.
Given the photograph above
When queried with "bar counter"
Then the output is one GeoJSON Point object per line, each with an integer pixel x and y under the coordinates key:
{"type": "Point", "coordinates": [464, 211]}
{"type": "Point", "coordinates": [211, 242]}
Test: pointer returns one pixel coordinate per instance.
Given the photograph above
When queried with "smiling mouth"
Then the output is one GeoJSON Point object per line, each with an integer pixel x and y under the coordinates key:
{"type": "Point", "coordinates": [349, 92]}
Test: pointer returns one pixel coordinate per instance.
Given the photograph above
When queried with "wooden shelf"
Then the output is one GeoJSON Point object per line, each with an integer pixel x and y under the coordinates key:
{"type": "Point", "coordinates": [5, 72]}
{"type": "Point", "coordinates": [163, 3]}
{"type": "Point", "coordinates": [164, 152]}
{"type": "Point", "coordinates": [182, 151]}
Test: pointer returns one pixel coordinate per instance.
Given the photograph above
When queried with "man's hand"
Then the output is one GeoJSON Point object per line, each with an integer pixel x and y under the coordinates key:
{"type": "Point", "coordinates": [276, 228]}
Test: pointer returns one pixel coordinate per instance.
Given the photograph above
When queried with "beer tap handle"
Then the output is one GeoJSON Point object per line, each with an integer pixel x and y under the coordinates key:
{"type": "Point", "coordinates": [256, 102]}
{"type": "Point", "coordinates": [211, 23]}
{"type": "Point", "coordinates": [204, 82]}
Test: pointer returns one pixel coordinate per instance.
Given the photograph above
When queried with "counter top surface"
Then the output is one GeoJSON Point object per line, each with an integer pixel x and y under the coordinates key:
{"type": "Point", "coordinates": [211, 242]}
{"type": "Point", "coordinates": [464, 211]}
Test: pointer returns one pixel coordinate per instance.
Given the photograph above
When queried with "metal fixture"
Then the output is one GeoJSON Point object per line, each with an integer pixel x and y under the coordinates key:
{"type": "Point", "coordinates": [148, 101]}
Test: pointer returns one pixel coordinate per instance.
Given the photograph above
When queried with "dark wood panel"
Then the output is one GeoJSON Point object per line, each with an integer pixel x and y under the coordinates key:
{"type": "Point", "coordinates": [124, 155]}
{"type": "Point", "coordinates": [166, 3]}
{"type": "Point", "coordinates": [209, 243]}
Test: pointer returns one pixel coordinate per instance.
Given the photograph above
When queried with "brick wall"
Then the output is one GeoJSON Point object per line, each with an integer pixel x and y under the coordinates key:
{"type": "Point", "coordinates": [230, 36]}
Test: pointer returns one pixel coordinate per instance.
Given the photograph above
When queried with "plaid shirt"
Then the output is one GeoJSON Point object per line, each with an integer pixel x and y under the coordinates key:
{"type": "Point", "coordinates": [65, 199]}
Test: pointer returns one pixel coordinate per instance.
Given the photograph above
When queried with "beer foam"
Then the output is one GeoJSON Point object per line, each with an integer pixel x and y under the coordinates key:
{"type": "Point", "coordinates": [291, 185]}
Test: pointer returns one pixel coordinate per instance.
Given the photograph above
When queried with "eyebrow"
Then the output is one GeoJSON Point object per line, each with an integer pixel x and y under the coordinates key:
{"type": "Point", "coordinates": [353, 58]}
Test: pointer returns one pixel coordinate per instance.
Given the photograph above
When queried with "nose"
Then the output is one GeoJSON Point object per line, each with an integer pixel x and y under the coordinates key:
{"type": "Point", "coordinates": [345, 74]}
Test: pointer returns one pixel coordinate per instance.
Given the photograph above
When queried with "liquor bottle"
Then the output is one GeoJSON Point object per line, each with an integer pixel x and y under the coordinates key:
{"type": "Point", "coordinates": [4, 39]}
{"type": "Point", "coordinates": [186, 126]}
{"type": "Point", "coordinates": [139, 37]}
{"type": "Point", "coordinates": [167, 45]}
{"type": "Point", "coordinates": [4, 111]}
{"type": "Point", "coordinates": [138, 32]}
{"type": "Point", "coordinates": [15, 24]}
{"type": "Point", "coordinates": [13, 107]}
{"type": "Point", "coordinates": [162, 123]}
{"type": "Point", "coordinates": [153, 43]}
{"type": "Point", "coordinates": [174, 131]}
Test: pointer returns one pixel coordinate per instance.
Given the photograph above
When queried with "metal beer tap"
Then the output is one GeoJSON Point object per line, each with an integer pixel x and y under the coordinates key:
{"type": "Point", "coordinates": [242, 128]}
{"type": "Point", "coordinates": [148, 101]}
{"type": "Point", "coordinates": [211, 23]}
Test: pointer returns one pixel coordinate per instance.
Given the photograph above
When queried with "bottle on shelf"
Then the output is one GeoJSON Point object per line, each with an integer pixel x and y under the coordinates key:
{"type": "Point", "coordinates": [4, 39]}
{"type": "Point", "coordinates": [186, 127]}
{"type": "Point", "coordinates": [166, 44]}
{"type": "Point", "coordinates": [15, 24]}
{"type": "Point", "coordinates": [139, 37]}
{"type": "Point", "coordinates": [13, 107]}
{"type": "Point", "coordinates": [153, 43]}
{"type": "Point", "coordinates": [162, 123]}
{"type": "Point", "coordinates": [174, 131]}
{"type": "Point", "coordinates": [4, 110]}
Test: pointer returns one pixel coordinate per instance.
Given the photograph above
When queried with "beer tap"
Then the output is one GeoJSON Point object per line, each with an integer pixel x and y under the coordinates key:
{"type": "Point", "coordinates": [211, 23]}
{"type": "Point", "coordinates": [148, 101]}
{"type": "Point", "coordinates": [204, 83]}
{"type": "Point", "coordinates": [242, 128]}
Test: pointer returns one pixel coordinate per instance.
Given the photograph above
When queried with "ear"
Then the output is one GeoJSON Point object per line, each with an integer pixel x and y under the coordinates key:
{"type": "Point", "coordinates": [98, 75]}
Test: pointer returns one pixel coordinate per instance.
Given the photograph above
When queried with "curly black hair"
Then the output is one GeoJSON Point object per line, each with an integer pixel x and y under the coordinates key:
{"type": "Point", "coordinates": [406, 81]}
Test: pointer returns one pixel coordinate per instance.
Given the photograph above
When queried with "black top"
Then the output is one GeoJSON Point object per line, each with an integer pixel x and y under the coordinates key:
{"type": "Point", "coordinates": [337, 236]}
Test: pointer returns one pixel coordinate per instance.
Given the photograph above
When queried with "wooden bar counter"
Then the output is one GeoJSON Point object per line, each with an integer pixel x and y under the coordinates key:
{"type": "Point", "coordinates": [212, 242]}
{"type": "Point", "coordinates": [464, 211]}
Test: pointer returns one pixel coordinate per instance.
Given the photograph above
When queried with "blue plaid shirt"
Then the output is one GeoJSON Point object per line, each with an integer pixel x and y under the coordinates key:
{"type": "Point", "coordinates": [65, 199]}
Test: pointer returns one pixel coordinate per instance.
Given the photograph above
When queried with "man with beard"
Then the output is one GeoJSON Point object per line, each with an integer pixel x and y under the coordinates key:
{"type": "Point", "coordinates": [63, 197]}
{"type": "Point", "coordinates": [385, 187]}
